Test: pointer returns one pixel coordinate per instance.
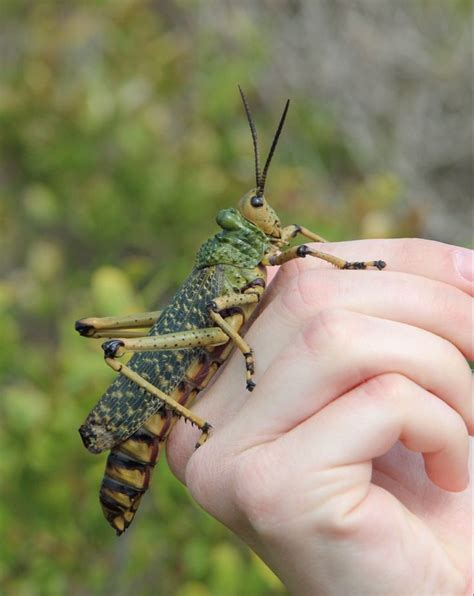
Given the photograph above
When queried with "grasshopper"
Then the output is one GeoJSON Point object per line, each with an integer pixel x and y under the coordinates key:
{"type": "Point", "coordinates": [188, 341]}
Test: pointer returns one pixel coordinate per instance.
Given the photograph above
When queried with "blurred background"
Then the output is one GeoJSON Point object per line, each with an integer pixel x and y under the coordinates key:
{"type": "Point", "coordinates": [121, 135]}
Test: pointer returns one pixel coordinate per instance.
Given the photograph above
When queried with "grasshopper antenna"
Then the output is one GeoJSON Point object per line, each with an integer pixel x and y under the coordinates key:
{"type": "Point", "coordinates": [253, 130]}
{"type": "Point", "coordinates": [263, 177]}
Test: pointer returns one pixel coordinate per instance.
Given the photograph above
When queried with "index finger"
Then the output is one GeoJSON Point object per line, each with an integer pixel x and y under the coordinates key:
{"type": "Point", "coordinates": [427, 258]}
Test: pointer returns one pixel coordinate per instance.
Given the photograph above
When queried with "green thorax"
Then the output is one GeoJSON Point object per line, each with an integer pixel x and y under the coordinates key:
{"type": "Point", "coordinates": [240, 243]}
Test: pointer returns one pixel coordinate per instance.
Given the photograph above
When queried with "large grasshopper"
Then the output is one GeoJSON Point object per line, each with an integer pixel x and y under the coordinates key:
{"type": "Point", "coordinates": [187, 341]}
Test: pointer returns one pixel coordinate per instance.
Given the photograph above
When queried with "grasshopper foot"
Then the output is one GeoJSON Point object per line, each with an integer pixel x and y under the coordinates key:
{"type": "Point", "coordinates": [355, 265]}
{"type": "Point", "coordinates": [250, 368]}
{"type": "Point", "coordinates": [365, 264]}
{"type": "Point", "coordinates": [204, 436]}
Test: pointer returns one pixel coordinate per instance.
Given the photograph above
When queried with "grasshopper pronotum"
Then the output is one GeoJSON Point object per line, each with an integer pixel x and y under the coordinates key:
{"type": "Point", "coordinates": [187, 341]}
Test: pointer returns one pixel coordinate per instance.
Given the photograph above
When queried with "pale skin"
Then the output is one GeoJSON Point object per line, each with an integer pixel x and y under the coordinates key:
{"type": "Point", "coordinates": [346, 469]}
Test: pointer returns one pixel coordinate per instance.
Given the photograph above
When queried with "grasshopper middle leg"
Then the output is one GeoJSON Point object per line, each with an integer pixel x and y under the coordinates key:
{"type": "Point", "coordinates": [218, 305]}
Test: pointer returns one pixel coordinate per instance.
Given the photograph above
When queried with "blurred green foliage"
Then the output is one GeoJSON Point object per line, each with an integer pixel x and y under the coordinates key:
{"type": "Point", "coordinates": [121, 135]}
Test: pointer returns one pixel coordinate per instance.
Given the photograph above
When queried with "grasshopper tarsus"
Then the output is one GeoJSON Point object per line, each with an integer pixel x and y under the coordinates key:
{"type": "Point", "coordinates": [364, 265]}
{"type": "Point", "coordinates": [355, 265]}
{"type": "Point", "coordinates": [205, 430]}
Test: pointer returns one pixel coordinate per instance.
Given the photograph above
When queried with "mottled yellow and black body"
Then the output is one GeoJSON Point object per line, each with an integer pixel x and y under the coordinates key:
{"type": "Point", "coordinates": [187, 342]}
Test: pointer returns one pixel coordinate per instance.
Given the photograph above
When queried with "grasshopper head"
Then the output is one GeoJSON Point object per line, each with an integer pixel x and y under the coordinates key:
{"type": "Point", "coordinates": [253, 205]}
{"type": "Point", "coordinates": [255, 209]}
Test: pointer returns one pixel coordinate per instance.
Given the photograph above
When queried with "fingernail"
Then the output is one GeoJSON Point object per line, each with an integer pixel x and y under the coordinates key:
{"type": "Point", "coordinates": [463, 260]}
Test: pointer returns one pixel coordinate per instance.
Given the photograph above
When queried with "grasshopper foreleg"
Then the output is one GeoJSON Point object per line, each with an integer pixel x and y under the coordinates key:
{"type": "Point", "coordinates": [290, 232]}
{"type": "Point", "coordinates": [302, 251]}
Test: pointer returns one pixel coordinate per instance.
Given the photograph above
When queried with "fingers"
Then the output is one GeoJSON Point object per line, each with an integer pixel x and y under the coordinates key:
{"type": "Point", "coordinates": [421, 288]}
{"type": "Point", "coordinates": [371, 418]}
{"type": "Point", "coordinates": [337, 352]}
{"type": "Point", "coordinates": [452, 265]}
{"type": "Point", "coordinates": [340, 350]}
{"type": "Point", "coordinates": [432, 305]}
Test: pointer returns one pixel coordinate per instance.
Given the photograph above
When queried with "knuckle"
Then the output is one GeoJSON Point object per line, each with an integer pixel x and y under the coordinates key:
{"type": "Point", "coordinates": [385, 387]}
{"type": "Point", "coordinates": [311, 289]}
{"type": "Point", "coordinates": [304, 289]}
{"type": "Point", "coordinates": [329, 328]}
{"type": "Point", "coordinates": [307, 291]}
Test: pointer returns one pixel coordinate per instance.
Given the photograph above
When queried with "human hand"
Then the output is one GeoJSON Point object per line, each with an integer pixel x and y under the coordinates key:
{"type": "Point", "coordinates": [319, 469]}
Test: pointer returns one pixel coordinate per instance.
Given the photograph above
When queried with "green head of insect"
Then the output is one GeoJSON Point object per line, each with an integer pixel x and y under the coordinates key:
{"type": "Point", "coordinates": [253, 205]}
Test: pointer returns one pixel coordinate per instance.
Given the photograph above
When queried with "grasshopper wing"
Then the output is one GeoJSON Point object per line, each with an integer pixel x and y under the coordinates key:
{"type": "Point", "coordinates": [125, 406]}
{"type": "Point", "coordinates": [122, 410]}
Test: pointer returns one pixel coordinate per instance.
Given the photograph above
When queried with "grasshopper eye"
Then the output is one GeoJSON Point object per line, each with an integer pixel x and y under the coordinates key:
{"type": "Point", "coordinates": [257, 201]}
